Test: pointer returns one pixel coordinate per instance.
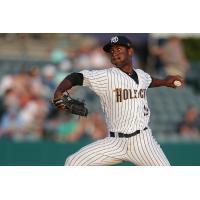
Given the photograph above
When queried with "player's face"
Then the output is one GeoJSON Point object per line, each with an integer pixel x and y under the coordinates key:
{"type": "Point", "coordinates": [120, 55]}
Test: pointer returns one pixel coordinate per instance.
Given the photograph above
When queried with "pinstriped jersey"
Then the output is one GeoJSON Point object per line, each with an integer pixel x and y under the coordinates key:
{"type": "Point", "coordinates": [124, 102]}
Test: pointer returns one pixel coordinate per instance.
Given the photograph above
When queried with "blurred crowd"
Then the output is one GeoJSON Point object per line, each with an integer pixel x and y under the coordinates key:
{"type": "Point", "coordinates": [26, 112]}
{"type": "Point", "coordinates": [168, 57]}
{"type": "Point", "coordinates": [190, 125]}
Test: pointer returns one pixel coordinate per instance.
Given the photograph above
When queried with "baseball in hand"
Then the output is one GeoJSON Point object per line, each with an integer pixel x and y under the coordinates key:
{"type": "Point", "coordinates": [177, 83]}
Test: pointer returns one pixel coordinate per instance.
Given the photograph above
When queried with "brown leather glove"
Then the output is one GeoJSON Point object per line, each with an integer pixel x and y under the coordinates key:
{"type": "Point", "coordinates": [74, 106]}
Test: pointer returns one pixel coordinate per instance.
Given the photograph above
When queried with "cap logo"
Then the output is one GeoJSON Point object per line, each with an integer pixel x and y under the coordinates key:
{"type": "Point", "coordinates": [114, 39]}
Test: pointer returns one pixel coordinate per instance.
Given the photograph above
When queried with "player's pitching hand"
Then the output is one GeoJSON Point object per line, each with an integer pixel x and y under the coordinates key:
{"type": "Point", "coordinates": [174, 81]}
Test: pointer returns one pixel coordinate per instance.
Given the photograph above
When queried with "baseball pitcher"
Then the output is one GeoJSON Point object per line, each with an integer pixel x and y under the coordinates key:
{"type": "Point", "coordinates": [123, 95]}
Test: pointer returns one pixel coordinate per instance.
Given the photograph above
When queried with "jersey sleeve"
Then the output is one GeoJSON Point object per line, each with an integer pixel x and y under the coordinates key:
{"type": "Point", "coordinates": [146, 78]}
{"type": "Point", "coordinates": [96, 80]}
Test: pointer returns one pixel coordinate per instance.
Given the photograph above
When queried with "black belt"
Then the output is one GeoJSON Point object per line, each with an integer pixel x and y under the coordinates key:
{"type": "Point", "coordinates": [123, 135]}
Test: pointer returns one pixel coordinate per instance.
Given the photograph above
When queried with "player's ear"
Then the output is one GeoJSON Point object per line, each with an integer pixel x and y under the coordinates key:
{"type": "Point", "coordinates": [130, 51]}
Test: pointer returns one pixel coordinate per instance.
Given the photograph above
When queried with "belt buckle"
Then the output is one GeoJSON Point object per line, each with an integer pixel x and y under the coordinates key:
{"type": "Point", "coordinates": [120, 135]}
{"type": "Point", "coordinates": [114, 134]}
{"type": "Point", "coordinates": [117, 134]}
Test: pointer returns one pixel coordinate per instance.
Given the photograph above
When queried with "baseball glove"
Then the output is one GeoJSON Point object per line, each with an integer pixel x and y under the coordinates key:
{"type": "Point", "coordinates": [74, 106]}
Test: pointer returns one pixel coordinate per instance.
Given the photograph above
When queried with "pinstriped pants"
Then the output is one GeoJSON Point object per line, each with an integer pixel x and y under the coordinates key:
{"type": "Point", "coordinates": [141, 149]}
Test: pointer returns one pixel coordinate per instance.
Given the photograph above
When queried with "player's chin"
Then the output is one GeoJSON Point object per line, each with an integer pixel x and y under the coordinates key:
{"type": "Point", "coordinates": [117, 64]}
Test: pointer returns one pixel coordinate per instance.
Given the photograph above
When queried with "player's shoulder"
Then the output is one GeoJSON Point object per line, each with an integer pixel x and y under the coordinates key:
{"type": "Point", "coordinates": [111, 69]}
{"type": "Point", "coordinates": [141, 72]}
{"type": "Point", "coordinates": [95, 72]}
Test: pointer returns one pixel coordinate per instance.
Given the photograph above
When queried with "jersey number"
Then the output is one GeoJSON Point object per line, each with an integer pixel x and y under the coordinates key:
{"type": "Point", "coordinates": [146, 110]}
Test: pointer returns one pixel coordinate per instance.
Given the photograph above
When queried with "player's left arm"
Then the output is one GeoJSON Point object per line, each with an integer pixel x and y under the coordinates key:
{"type": "Point", "coordinates": [169, 81]}
{"type": "Point", "coordinates": [69, 81]}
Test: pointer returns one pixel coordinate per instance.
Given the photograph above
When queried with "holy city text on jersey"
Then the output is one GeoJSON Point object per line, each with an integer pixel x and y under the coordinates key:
{"type": "Point", "coordinates": [124, 94]}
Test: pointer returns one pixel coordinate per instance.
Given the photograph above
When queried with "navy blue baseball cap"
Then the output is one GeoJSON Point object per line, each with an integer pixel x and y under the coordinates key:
{"type": "Point", "coordinates": [118, 40]}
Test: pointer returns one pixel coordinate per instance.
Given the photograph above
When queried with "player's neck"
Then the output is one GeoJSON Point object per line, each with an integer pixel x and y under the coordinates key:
{"type": "Point", "coordinates": [128, 69]}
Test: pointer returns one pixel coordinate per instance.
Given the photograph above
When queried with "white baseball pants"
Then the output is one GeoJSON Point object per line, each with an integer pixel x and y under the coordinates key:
{"type": "Point", "coordinates": [141, 149]}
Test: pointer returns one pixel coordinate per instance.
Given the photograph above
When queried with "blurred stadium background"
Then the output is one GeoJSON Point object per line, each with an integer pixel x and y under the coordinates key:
{"type": "Point", "coordinates": [33, 132]}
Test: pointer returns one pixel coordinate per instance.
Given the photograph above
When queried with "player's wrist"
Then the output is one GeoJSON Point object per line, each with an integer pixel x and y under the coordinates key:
{"type": "Point", "coordinates": [58, 94]}
{"type": "Point", "coordinates": [166, 83]}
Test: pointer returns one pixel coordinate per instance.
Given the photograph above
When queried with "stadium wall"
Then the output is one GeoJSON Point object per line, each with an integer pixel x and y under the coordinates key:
{"type": "Point", "coordinates": [48, 153]}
